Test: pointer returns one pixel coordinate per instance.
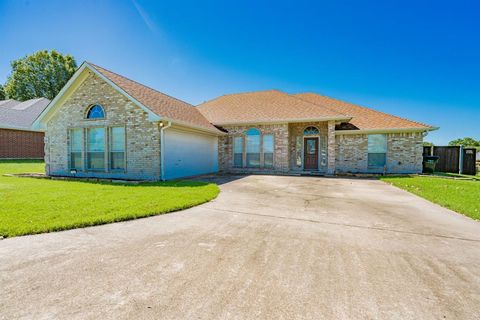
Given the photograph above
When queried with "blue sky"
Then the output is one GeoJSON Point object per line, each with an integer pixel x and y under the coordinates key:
{"type": "Point", "coordinates": [415, 59]}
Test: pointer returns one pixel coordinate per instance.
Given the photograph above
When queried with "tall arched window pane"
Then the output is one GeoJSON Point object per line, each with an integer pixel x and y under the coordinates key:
{"type": "Point", "coordinates": [253, 148]}
{"type": "Point", "coordinates": [96, 112]}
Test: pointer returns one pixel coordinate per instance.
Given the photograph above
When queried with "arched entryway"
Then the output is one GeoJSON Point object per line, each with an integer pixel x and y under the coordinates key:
{"type": "Point", "coordinates": [310, 148]}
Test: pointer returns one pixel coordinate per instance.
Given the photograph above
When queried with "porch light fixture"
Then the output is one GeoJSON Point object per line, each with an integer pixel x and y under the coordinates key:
{"type": "Point", "coordinates": [160, 124]}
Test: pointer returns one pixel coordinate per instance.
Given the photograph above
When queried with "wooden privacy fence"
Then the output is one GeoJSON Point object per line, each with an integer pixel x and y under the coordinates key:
{"type": "Point", "coordinates": [454, 159]}
{"type": "Point", "coordinates": [469, 161]}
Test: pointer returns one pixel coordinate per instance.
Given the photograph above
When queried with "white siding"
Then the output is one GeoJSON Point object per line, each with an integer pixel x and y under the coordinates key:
{"type": "Point", "coordinates": [189, 153]}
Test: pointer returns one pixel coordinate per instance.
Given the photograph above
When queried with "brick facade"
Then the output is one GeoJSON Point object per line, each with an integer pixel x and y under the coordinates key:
{"type": "Point", "coordinates": [18, 144]}
{"type": "Point", "coordinates": [337, 154]}
{"type": "Point", "coordinates": [289, 144]}
{"type": "Point", "coordinates": [331, 147]}
{"type": "Point", "coordinates": [142, 136]}
{"type": "Point", "coordinates": [280, 156]}
{"type": "Point", "coordinates": [404, 153]}
{"type": "Point", "coordinates": [296, 143]}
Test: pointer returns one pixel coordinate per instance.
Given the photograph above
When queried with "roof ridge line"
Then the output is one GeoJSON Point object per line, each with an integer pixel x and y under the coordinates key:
{"type": "Point", "coordinates": [239, 93]}
{"type": "Point", "coordinates": [254, 91]}
{"type": "Point", "coordinates": [318, 105]}
{"type": "Point", "coordinates": [368, 108]}
{"type": "Point", "coordinates": [141, 84]}
{"type": "Point", "coordinates": [197, 119]}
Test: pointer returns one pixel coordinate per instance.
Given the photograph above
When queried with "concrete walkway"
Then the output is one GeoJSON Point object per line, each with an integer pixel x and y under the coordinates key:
{"type": "Point", "coordinates": [268, 247]}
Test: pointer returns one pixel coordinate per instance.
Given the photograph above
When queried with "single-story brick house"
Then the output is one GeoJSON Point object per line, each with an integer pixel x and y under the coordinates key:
{"type": "Point", "coordinates": [17, 138]}
{"type": "Point", "coordinates": [104, 125]}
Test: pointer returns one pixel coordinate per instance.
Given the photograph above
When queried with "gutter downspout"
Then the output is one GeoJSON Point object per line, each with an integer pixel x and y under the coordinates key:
{"type": "Point", "coordinates": [162, 150]}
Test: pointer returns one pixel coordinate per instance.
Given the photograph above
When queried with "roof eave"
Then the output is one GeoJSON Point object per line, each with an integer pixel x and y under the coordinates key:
{"type": "Point", "coordinates": [152, 116]}
{"type": "Point", "coordinates": [385, 130]}
{"type": "Point", "coordinates": [19, 128]}
{"type": "Point", "coordinates": [189, 125]}
{"type": "Point", "coordinates": [322, 119]}
{"type": "Point", "coordinates": [40, 122]}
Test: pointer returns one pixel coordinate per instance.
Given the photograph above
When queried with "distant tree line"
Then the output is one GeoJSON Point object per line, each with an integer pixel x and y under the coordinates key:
{"type": "Point", "coordinates": [467, 142]}
{"type": "Point", "coordinates": [42, 74]}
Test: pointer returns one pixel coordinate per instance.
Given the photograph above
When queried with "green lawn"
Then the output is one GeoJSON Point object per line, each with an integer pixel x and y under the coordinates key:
{"type": "Point", "coordinates": [456, 175]}
{"type": "Point", "coordinates": [29, 205]}
{"type": "Point", "coordinates": [459, 195]}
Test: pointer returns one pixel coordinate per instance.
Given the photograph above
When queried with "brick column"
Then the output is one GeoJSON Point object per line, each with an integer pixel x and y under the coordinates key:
{"type": "Point", "coordinates": [331, 147]}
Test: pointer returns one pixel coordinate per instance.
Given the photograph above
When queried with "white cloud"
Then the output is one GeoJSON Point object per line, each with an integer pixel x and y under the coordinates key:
{"type": "Point", "coordinates": [146, 18]}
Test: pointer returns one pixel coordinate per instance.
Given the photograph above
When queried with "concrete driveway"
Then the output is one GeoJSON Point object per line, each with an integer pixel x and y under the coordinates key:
{"type": "Point", "coordinates": [268, 247]}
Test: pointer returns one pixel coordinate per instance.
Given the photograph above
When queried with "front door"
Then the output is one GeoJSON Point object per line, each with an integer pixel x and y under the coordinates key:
{"type": "Point", "coordinates": [310, 156]}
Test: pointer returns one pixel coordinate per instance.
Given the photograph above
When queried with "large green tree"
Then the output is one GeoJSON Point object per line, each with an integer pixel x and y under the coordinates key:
{"type": "Point", "coordinates": [42, 74]}
{"type": "Point", "coordinates": [466, 142]}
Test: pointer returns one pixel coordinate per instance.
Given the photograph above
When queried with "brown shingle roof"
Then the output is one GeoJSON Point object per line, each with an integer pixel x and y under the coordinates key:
{"type": "Point", "coordinates": [263, 106]}
{"type": "Point", "coordinates": [363, 118]}
{"type": "Point", "coordinates": [159, 103]}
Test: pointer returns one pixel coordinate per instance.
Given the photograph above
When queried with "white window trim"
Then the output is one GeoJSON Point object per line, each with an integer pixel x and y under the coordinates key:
{"type": "Point", "coordinates": [110, 135]}
{"type": "Point", "coordinates": [261, 153]}
{"type": "Point", "coordinates": [385, 153]}
{"type": "Point", "coordinates": [107, 149]}
{"type": "Point", "coordinates": [82, 151]}
{"type": "Point", "coordinates": [273, 151]}
{"type": "Point", "coordinates": [243, 150]}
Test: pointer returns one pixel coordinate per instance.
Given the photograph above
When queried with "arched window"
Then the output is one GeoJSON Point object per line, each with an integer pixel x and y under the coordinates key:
{"type": "Point", "coordinates": [96, 112]}
{"type": "Point", "coordinates": [253, 147]}
{"type": "Point", "coordinates": [253, 132]}
{"type": "Point", "coordinates": [310, 131]}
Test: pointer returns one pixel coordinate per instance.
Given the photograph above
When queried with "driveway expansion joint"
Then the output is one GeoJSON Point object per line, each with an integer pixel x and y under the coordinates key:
{"type": "Point", "coordinates": [347, 225]}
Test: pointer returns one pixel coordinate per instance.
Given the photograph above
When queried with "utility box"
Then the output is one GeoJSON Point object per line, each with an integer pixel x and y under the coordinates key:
{"type": "Point", "coordinates": [429, 163]}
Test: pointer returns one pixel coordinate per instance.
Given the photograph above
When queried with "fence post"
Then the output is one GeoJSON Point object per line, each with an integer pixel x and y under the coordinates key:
{"type": "Point", "coordinates": [460, 165]}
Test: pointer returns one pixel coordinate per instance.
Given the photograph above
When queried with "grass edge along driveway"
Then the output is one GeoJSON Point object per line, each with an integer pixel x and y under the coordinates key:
{"type": "Point", "coordinates": [30, 206]}
{"type": "Point", "coordinates": [462, 196]}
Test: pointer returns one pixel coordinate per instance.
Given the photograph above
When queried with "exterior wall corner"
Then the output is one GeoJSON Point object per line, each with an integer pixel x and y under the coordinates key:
{"type": "Point", "coordinates": [331, 147]}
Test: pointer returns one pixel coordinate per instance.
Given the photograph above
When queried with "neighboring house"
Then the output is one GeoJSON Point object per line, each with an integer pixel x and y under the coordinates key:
{"type": "Point", "coordinates": [104, 125]}
{"type": "Point", "coordinates": [17, 138]}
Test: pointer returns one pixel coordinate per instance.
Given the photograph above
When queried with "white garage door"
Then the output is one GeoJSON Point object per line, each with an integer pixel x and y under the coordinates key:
{"type": "Point", "coordinates": [188, 154]}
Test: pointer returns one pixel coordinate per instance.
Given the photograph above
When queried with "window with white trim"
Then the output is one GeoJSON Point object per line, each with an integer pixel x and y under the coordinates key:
{"type": "Point", "coordinates": [96, 149]}
{"type": "Point", "coordinates": [377, 150]}
{"type": "Point", "coordinates": [253, 147]}
{"type": "Point", "coordinates": [76, 148]}
{"type": "Point", "coordinates": [248, 148]}
{"type": "Point", "coordinates": [117, 148]}
{"type": "Point", "coordinates": [268, 150]}
{"type": "Point", "coordinates": [238, 151]}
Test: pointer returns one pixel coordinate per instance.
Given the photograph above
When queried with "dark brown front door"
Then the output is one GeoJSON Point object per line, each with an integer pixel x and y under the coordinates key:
{"type": "Point", "coordinates": [310, 156]}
